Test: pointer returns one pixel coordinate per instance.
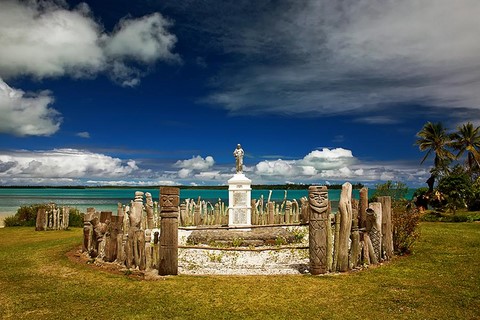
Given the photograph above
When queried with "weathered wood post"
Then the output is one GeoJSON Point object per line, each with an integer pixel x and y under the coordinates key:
{"type": "Point", "coordinates": [155, 250]}
{"type": "Point", "coordinates": [345, 210]}
{"type": "Point", "coordinates": [288, 212]}
{"type": "Point", "coordinates": [355, 237]}
{"type": "Point", "coordinates": [149, 210]}
{"type": "Point", "coordinates": [374, 227]}
{"type": "Point", "coordinates": [168, 251]}
{"type": "Point", "coordinates": [271, 212]}
{"type": "Point", "coordinates": [104, 244]}
{"type": "Point", "coordinates": [318, 203]}
{"type": "Point", "coordinates": [114, 229]}
{"type": "Point", "coordinates": [328, 225]}
{"type": "Point", "coordinates": [362, 207]}
{"type": "Point", "coordinates": [387, 231]}
{"type": "Point", "coordinates": [41, 218]}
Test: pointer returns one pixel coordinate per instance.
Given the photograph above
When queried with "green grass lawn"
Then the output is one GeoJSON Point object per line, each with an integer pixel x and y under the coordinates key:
{"type": "Point", "coordinates": [440, 281]}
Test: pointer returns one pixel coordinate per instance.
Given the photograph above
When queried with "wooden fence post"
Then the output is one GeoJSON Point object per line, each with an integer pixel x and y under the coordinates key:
{"type": "Point", "coordinates": [318, 207]}
{"type": "Point", "coordinates": [168, 251]}
{"type": "Point", "coordinates": [387, 231]}
{"type": "Point", "coordinates": [362, 207]}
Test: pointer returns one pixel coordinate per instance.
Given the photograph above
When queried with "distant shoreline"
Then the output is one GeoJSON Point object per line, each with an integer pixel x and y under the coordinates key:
{"type": "Point", "coordinates": [220, 187]}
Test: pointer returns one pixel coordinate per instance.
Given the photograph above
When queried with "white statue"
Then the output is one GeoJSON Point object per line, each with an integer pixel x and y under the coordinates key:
{"type": "Point", "coordinates": [238, 153]}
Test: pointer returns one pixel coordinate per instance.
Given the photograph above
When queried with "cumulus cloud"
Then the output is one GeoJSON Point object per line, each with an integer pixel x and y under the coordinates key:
{"type": "Point", "coordinates": [338, 164]}
{"type": "Point", "coordinates": [194, 165]}
{"type": "Point", "coordinates": [325, 57]}
{"type": "Point", "coordinates": [47, 39]}
{"type": "Point", "coordinates": [70, 164]}
{"type": "Point", "coordinates": [25, 114]}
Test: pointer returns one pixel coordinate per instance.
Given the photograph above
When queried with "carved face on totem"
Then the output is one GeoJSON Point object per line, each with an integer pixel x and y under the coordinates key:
{"type": "Point", "coordinates": [318, 198]}
{"type": "Point", "coordinates": [149, 199]}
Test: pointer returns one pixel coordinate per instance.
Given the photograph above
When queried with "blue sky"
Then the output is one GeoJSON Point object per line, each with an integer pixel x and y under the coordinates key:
{"type": "Point", "coordinates": [160, 92]}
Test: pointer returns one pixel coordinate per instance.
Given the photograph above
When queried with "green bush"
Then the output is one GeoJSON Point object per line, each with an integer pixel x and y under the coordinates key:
{"type": "Point", "coordinates": [12, 221]}
{"type": "Point", "coordinates": [26, 216]}
{"type": "Point", "coordinates": [405, 220]}
{"type": "Point", "coordinates": [75, 218]}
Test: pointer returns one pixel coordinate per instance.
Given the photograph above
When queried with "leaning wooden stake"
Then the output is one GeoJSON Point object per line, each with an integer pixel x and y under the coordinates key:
{"type": "Point", "coordinates": [318, 203]}
{"type": "Point", "coordinates": [168, 251]}
{"type": "Point", "coordinates": [387, 232]}
{"type": "Point", "coordinates": [345, 210]}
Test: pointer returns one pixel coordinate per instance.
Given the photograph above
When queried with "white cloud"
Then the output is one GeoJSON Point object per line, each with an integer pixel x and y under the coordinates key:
{"type": "Point", "coordinates": [83, 134]}
{"type": "Point", "coordinates": [193, 166]}
{"type": "Point", "coordinates": [24, 114]}
{"type": "Point", "coordinates": [71, 167]}
{"type": "Point", "coordinates": [47, 39]}
{"type": "Point", "coordinates": [63, 164]}
{"type": "Point", "coordinates": [44, 39]}
{"type": "Point", "coordinates": [144, 39]}
{"type": "Point", "coordinates": [196, 163]}
{"type": "Point", "coordinates": [326, 158]}
{"type": "Point", "coordinates": [279, 168]}
{"type": "Point", "coordinates": [326, 57]}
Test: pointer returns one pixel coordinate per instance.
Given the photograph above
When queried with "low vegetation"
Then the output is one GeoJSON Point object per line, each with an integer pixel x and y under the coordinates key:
{"type": "Point", "coordinates": [26, 216]}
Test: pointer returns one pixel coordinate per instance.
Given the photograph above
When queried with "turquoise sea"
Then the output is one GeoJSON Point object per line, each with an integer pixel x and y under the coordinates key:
{"type": "Point", "coordinates": [106, 199]}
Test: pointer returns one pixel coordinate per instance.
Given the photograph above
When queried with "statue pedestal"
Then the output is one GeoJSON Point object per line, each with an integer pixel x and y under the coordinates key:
{"type": "Point", "coordinates": [239, 201]}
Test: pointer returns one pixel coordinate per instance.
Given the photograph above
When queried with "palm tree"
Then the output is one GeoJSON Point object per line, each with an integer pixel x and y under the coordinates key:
{"type": "Point", "coordinates": [434, 138]}
{"type": "Point", "coordinates": [467, 139]}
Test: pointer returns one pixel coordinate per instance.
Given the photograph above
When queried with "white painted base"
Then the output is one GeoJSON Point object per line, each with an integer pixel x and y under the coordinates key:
{"type": "Point", "coordinates": [239, 201]}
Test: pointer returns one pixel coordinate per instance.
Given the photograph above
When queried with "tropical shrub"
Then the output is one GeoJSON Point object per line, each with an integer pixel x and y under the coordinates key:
{"type": "Point", "coordinates": [456, 188]}
{"type": "Point", "coordinates": [405, 221]}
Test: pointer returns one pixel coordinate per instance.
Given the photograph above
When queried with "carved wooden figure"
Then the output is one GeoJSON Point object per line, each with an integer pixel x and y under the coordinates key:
{"type": "Point", "coordinates": [355, 237]}
{"type": "Point", "coordinates": [374, 227]}
{"type": "Point", "coordinates": [149, 210]}
{"type": "Point", "coordinates": [168, 251]}
{"type": "Point", "coordinates": [318, 203]}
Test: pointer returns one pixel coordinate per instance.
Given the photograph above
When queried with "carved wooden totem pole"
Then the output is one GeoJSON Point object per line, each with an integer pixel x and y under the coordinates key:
{"type": "Point", "coordinates": [318, 219]}
{"type": "Point", "coordinates": [168, 250]}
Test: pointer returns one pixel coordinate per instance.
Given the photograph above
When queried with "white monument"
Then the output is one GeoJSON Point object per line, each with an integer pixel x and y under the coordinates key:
{"type": "Point", "coordinates": [239, 194]}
